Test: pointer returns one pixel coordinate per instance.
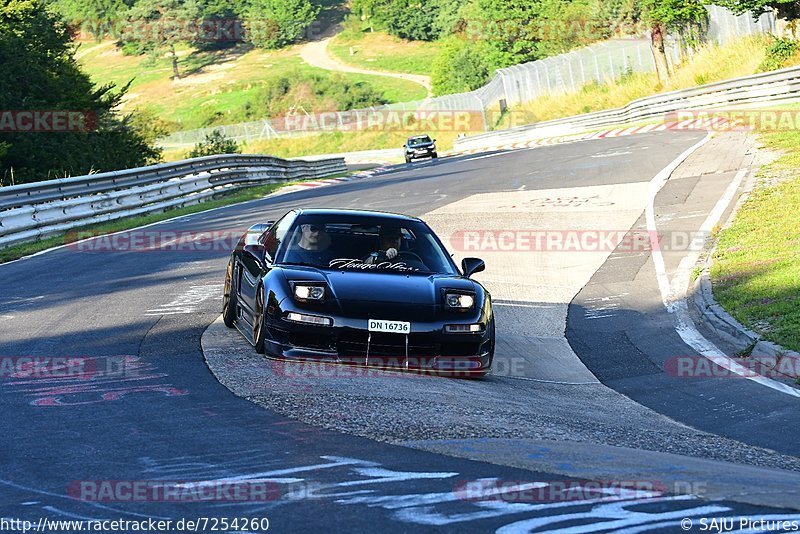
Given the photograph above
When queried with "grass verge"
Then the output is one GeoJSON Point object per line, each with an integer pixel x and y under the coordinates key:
{"type": "Point", "coordinates": [756, 273]}
{"type": "Point", "coordinates": [381, 51]}
{"type": "Point", "coordinates": [224, 199]}
{"type": "Point", "coordinates": [709, 64]}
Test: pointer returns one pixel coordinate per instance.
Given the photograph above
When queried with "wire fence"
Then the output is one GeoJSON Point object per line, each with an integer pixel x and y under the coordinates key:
{"type": "Point", "coordinates": [511, 86]}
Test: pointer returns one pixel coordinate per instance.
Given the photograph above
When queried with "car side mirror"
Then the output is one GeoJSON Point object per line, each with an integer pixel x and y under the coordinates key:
{"type": "Point", "coordinates": [471, 266]}
{"type": "Point", "coordinates": [254, 252]}
{"type": "Point", "coordinates": [434, 140]}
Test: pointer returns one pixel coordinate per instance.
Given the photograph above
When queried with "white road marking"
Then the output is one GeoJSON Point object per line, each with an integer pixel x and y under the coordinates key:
{"type": "Point", "coordinates": [188, 302]}
{"type": "Point", "coordinates": [488, 156]}
{"type": "Point", "coordinates": [611, 155]}
{"type": "Point", "coordinates": [674, 292]}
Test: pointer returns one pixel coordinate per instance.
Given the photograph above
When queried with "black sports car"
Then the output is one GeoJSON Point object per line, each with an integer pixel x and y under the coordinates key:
{"type": "Point", "coordinates": [359, 287]}
{"type": "Point", "coordinates": [420, 146]}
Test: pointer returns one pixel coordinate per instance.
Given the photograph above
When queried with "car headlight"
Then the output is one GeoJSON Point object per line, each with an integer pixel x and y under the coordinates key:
{"type": "Point", "coordinates": [459, 301]}
{"type": "Point", "coordinates": [309, 292]}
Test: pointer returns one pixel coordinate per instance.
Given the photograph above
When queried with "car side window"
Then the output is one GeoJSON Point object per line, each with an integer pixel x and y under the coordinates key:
{"type": "Point", "coordinates": [275, 236]}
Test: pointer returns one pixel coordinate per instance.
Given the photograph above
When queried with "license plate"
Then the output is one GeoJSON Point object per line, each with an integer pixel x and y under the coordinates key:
{"type": "Point", "coordinates": [395, 327]}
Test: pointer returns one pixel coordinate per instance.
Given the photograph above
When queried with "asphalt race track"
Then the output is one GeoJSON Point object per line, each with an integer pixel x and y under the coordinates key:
{"type": "Point", "coordinates": [579, 392]}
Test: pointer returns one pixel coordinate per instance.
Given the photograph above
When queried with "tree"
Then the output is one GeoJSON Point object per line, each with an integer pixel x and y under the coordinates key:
{"type": "Point", "coordinates": [98, 17]}
{"type": "Point", "coordinates": [41, 75]}
{"type": "Point", "coordinates": [215, 143]}
{"type": "Point", "coordinates": [276, 23]}
{"type": "Point", "coordinates": [787, 9]}
{"type": "Point", "coordinates": [507, 27]}
{"type": "Point", "coordinates": [663, 15]}
{"type": "Point", "coordinates": [157, 26]}
{"type": "Point", "coordinates": [461, 66]}
{"type": "Point", "coordinates": [220, 24]}
{"type": "Point", "coordinates": [412, 19]}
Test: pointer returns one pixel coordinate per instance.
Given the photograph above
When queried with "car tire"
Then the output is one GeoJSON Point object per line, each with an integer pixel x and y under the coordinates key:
{"type": "Point", "coordinates": [494, 342]}
{"type": "Point", "coordinates": [408, 160]}
{"type": "Point", "coordinates": [491, 353]}
{"type": "Point", "coordinates": [230, 299]}
{"type": "Point", "coordinates": [259, 330]}
{"type": "Point", "coordinates": [435, 155]}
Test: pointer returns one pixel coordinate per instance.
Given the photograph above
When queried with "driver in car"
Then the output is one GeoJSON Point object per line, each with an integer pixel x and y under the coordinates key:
{"type": "Point", "coordinates": [391, 239]}
{"type": "Point", "coordinates": [313, 246]}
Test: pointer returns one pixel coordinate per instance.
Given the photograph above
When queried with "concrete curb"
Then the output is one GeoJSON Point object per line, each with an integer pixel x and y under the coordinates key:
{"type": "Point", "coordinates": [701, 300]}
{"type": "Point", "coordinates": [729, 328]}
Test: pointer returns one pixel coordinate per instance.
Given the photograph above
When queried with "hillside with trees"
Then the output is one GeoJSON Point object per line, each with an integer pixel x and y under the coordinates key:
{"type": "Point", "coordinates": [40, 75]}
{"type": "Point", "coordinates": [183, 64]}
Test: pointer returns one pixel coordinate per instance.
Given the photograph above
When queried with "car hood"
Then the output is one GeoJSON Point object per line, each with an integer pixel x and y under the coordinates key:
{"type": "Point", "coordinates": [391, 296]}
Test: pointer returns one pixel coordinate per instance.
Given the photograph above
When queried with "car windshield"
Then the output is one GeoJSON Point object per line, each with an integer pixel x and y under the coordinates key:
{"type": "Point", "coordinates": [364, 244]}
{"type": "Point", "coordinates": [419, 140]}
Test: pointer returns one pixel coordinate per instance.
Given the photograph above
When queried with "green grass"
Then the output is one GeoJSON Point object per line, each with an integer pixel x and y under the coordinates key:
{"type": "Point", "coordinates": [381, 51]}
{"type": "Point", "coordinates": [756, 272]}
{"type": "Point", "coordinates": [215, 87]}
{"type": "Point", "coordinates": [225, 199]}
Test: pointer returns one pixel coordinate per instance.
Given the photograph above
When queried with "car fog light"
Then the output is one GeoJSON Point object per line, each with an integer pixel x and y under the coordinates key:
{"type": "Point", "coordinates": [463, 328]}
{"type": "Point", "coordinates": [309, 319]}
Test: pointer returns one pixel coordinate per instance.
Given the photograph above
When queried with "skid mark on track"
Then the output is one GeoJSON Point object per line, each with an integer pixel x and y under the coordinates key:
{"type": "Point", "coordinates": [603, 307]}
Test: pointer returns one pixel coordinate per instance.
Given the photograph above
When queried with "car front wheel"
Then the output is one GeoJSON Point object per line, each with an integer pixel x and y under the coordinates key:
{"type": "Point", "coordinates": [230, 298]}
{"type": "Point", "coordinates": [258, 323]}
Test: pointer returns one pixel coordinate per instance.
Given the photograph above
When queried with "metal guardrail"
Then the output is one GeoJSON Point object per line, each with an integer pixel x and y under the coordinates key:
{"type": "Point", "coordinates": [770, 87]}
{"type": "Point", "coordinates": [41, 209]}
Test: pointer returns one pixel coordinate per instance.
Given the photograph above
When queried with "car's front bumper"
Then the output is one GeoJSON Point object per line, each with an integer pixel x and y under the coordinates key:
{"type": "Point", "coordinates": [422, 153]}
{"type": "Point", "coordinates": [428, 348]}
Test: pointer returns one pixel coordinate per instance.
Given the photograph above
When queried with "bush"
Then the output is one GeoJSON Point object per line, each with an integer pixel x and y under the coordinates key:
{"type": "Point", "coordinates": [460, 66]}
{"type": "Point", "coordinates": [412, 19]}
{"type": "Point", "coordinates": [310, 92]}
{"type": "Point", "coordinates": [418, 20]}
{"type": "Point", "coordinates": [215, 143]}
{"type": "Point", "coordinates": [778, 52]}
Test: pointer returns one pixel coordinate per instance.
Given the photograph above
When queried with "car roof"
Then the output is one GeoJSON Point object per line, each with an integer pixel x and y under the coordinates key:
{"type": "Point", "coordinates": [358, 214]}
{"type": "Point", "coordinates": [419, 136]}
